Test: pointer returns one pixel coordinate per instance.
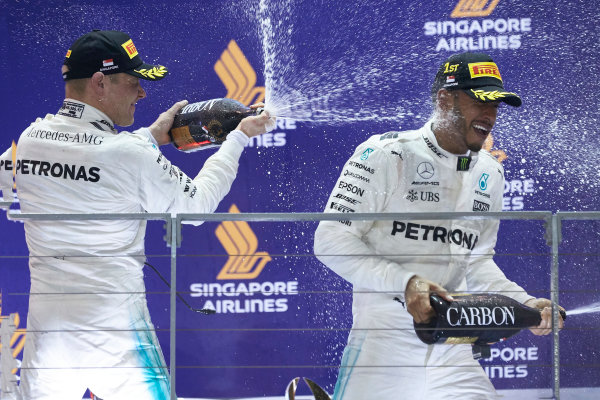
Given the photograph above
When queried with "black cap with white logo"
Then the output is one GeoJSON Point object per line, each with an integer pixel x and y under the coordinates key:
{"type": "Point", "coordinates": [109, 52]}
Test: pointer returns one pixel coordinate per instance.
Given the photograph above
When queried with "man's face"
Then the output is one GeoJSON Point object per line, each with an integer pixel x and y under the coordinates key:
{"type": "Point", "coordinates": [122, 91]}
{"type": "Point", "coordinates": [472, 120]}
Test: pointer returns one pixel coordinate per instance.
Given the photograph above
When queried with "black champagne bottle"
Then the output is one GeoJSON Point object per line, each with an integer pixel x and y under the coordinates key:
{"type": "Point", "coordinates": [206, 124]}
{"type": "Point", "coordinates": [480, 319]}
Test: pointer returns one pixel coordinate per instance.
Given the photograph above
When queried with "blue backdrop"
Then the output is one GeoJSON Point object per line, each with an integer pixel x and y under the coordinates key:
{"type": "Point", "coordinates": [351, 71]}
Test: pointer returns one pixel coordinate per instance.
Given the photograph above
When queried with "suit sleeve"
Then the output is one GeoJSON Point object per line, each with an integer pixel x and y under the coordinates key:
{"type": "Point", "coordinates": [6, 175]}
{"type": "Point", "coordinates": [483, 274]}
{"type": "Point", "coordinates": [163, 187]}
{"type": "Point", "coordinates": [340, 244]}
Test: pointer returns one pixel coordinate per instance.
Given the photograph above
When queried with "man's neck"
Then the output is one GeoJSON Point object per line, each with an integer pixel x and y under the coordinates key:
{"type": "Point", "coordinates": [446, 138]}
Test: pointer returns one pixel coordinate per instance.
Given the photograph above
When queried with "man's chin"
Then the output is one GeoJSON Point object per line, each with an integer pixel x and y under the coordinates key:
{"type": "Point", "coordinates": [125, 123]}
{"type": "Point", "coordinates": [475, 148]}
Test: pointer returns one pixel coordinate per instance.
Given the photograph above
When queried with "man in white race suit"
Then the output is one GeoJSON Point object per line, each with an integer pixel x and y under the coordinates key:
{"type": "Point", "coordinates": [439, 167]}
{"type": "Point", "coordinates": [88, 323]}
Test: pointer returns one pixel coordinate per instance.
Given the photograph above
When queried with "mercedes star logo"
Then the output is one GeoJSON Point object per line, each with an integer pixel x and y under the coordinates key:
{"type": "Point", "coordinates": [425, 170]}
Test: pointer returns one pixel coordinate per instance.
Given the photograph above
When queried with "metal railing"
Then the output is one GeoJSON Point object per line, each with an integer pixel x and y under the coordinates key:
{"type": "Point", "coordinates": [173, 239]}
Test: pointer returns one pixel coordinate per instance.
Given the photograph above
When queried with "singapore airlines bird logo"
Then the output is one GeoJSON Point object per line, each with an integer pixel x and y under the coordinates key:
{"type": "Point", "coordinates": [240, 243]}
{"type": "Point", "coordinates": [238, 76]}
{"type": "Point", "coordinates": [474, 8]}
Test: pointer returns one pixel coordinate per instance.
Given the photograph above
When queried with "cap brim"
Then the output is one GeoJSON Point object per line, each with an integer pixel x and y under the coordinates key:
{"type": "Point", "coordinates": [494, 93]}
{"type": "Point", "coordinates": [149, 72]}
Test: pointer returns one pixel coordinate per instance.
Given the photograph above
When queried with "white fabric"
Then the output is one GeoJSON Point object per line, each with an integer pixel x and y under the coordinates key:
{"type": "Point", "coordinates": [404, 172]}
{"type": "Point", "coordinates": [6, 175]}
{"type": "Point", "coordinates": [88, 310]}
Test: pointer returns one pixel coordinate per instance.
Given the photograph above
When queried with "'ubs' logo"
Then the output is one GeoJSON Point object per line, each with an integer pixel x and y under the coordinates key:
{"type": "Point", "coordinates": [412, 196]}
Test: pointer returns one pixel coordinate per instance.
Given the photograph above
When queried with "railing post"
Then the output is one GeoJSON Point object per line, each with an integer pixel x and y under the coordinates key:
{"type": "Point", "coordinates": [8, 381]}
{"type": "Point", "coordinates": [174, 228]}
{"type": "Point", "coordinates": [556, 232]}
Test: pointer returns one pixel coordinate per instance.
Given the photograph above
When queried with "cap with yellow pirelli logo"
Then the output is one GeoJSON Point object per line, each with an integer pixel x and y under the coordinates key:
{"type": "Point", "coordinates": [477, 75]}
{"type": "Point", "coordinates": [109, 52]}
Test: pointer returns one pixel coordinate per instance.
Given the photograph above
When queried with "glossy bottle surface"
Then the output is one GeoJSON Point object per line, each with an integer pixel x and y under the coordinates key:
{"type": "Point", "coordinates": [206, 124]}
{"type": "Point", "coordinates": [480, 319]}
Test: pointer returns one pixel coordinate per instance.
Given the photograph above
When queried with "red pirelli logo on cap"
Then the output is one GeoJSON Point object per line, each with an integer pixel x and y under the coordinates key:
{"type": "Point", "coordinates": [130, 48]}
{"type": "Point", "coordinates": [68, 53]}
{"type": "Point", "coordinates": [481, 69]}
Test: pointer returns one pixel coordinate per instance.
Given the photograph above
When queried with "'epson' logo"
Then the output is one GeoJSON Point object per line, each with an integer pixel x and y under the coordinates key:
{"type": "Point", "coordinates": [351, 188]}
{"type": "Point", "coordinates": [435, 233]}
{"type": "Point", "coordinates": [481, 316]}
{"type": "Point", "coordinates": [480, 206]}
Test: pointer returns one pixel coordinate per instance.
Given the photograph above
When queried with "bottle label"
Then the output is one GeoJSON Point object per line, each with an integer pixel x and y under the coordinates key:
{"type": "Point", "coordinates": [460, 340]}
{"type": "Point", "coordinates": [200, 106]}
{"type": "Point", "coordinates": [481, 316]}
{"type": "Point", "coordinates": [182, 138]}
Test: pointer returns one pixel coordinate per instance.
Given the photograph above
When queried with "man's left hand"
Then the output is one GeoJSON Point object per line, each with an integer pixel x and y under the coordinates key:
{"type": "Point", "coordinates": [257, 124]}
{"type": "Point", "coordinates": [545, 307]}
{"type": "Point", "coordinates": [160, 128]}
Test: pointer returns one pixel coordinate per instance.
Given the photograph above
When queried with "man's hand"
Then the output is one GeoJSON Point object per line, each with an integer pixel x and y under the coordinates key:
{"type": "Point", "coordinates": [257, 125]}
{"type": "Point", "coordinates": [545, 305]}
{"type": "Point", "coordinates": [160, 128]}
{"type": "Point", "coordinates": [417, 298]}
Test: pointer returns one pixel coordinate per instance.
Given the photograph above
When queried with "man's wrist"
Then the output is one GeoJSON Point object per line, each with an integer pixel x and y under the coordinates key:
{"type": "Point", "coordinates": [238, 136]}
{"type": "Point", "coordinates": [146, 131]}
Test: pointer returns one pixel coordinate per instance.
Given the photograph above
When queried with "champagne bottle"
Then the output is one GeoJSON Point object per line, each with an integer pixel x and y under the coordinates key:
{"type": "Point", "coordinates": [207, 123]}
{"type": "Point", "coordinates": [480, 319]}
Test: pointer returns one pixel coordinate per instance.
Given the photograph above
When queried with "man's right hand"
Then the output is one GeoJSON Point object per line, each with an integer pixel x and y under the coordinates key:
{"type": "Point", "coordinates": [417, 294]}
{"type": "Point", "coordinates": [258, 124]}
{"type": "Point", "coordinates": [160, 128]}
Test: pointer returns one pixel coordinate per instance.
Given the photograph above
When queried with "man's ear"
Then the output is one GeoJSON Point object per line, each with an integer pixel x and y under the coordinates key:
{"type": "Point", "coordinates": [445, 99]}
{"type": "Point", "coordinates": [97, 83]}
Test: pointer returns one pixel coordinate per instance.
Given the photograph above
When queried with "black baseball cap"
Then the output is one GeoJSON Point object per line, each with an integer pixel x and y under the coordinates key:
{"type": "Point", "coordinates": [477, 75]}
{"type": "Point", "coordinates": [109, 52]}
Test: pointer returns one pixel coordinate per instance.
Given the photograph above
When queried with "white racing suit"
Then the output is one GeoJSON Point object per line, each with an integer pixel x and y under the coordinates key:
{"type": "Point", "coordinates": [88, 324]}
{"type": "Point", "coordinates": [404, 172]}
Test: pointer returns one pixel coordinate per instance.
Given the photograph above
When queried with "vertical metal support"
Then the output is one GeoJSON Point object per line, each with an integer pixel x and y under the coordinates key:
{"type": "Point", "coordinates": [8, 381]}
{"type": "Point", "coordinates": [173, 309]}
{"type": "Point", "coordinates": [168, 229]}
{"type": "Point", "coordinates": [556, 231]}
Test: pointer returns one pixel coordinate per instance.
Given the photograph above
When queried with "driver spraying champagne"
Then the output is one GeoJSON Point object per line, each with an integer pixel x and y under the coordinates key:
{"type": "Point", "coordinates": [88, 323]}
{"type": "Point", "coordinates": [440, 167]}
